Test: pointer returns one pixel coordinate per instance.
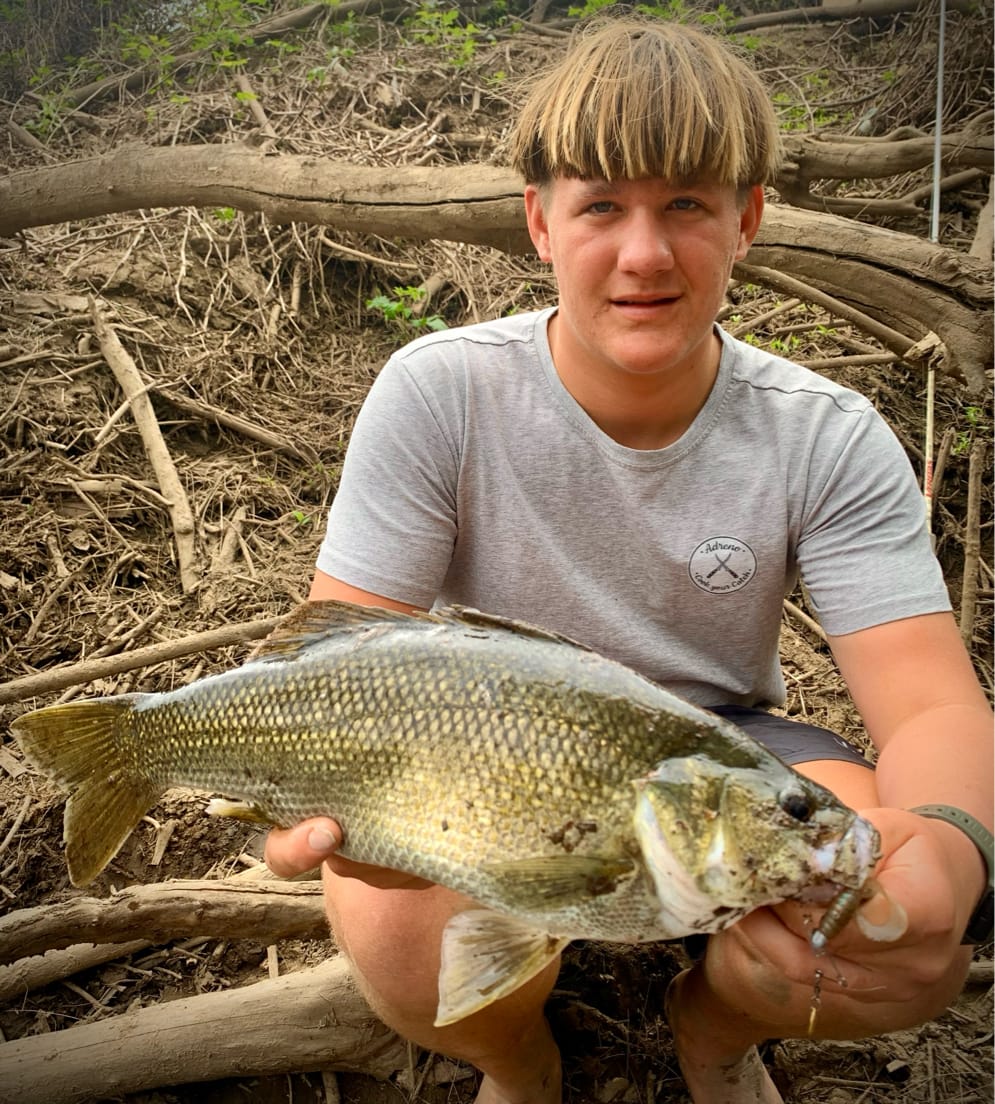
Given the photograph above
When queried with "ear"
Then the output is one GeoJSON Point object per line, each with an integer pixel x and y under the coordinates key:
{"type": "Point", "coordinates": [536, 219]}
{"type": "Point", "coordinates": [749, 220]}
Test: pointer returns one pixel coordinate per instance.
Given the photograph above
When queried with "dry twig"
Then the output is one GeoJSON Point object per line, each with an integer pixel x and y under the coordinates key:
{"type": "Point", "coordinates": [131, 383]}
{"type": "Point", "coordinates": [58, 678]}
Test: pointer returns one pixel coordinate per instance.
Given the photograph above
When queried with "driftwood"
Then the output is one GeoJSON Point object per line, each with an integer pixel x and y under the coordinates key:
{"type": "Point", "coordinates": [310, 189]}
{"type": "Point", "coordinates": [810, 157]}
{"type": "Point", "coordinates": [264, 912]}
{"type": "Point", "coordinates": [911, 285]}
{"type": "Point", "coordinates": [309, 1020]}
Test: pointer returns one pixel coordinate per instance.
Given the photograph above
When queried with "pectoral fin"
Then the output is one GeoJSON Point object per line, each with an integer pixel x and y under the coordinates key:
{"type": "Point", "coordinates": [486, 956]}
{"type": "Point", "coordinates": [560, 880]}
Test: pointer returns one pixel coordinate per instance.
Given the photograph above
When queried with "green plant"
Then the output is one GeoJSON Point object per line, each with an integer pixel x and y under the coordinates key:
{"type": "Point", "coordinates": [784, 346]}
{"type": "Point", "coordinates": [400, 312]}
{"type": "Point", "coordinates": [52, 108]}
{"type": "Point", "coordinates": [219, 26]}
{"type": "Point", "coordinates": [976, 426]}
{"type": "Point", "coordinates": [795, 111]}
{"type": "Point", "coordinates": [437, 26]}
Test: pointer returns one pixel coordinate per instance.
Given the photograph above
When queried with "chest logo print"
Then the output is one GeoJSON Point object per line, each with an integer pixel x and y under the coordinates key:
{"type": "Point", "coordinates": [721, 565]}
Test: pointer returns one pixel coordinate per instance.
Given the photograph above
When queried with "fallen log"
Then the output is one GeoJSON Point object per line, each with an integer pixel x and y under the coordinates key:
{"type": "Point", "coordinates": [310, 1020]}
{"type": "Point", "coordinates": [912, 285]}
{"type": "Point", "coordinates": [264, 912]}
{"type": "Point", "coordinates": [897, 279]}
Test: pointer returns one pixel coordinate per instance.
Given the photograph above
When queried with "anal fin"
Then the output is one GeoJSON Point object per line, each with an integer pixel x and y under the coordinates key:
{"type": "Point", "coordinates": [486, 956]}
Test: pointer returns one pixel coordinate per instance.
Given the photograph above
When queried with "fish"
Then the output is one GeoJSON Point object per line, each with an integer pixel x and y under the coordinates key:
{"type": "Point", "coordinates": [565, 794]}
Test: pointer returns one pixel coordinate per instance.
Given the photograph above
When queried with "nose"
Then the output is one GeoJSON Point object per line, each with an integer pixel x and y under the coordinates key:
{"type": "Point", "coordinates": [644, 246]}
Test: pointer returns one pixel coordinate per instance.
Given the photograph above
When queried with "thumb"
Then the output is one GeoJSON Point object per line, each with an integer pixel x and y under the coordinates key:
{"type": "Point", "coordinates": [881, 918]}
{"type": "Point", "coordinates": [293, 851]}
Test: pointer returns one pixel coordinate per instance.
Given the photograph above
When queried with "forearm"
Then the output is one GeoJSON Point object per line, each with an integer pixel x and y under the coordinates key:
{"type": "Point", "coordinates": [944, 757]}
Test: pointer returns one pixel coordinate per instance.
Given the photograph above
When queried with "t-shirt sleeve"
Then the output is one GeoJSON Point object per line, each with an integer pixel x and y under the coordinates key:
{"type": "Point", "coordinates": [392, 524]}
{"type": "Point", "coordinates": [865, 554]}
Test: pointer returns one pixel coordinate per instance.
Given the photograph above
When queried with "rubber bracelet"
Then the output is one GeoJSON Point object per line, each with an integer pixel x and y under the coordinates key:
{"type": "Point", "coordinates": [980, 926]}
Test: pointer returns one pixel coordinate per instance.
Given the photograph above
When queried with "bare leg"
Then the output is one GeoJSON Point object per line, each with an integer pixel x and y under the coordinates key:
{"type": "Point", "coordinates": [393, 938]}
{"type": "Point", "coordinates": [715, 1046]}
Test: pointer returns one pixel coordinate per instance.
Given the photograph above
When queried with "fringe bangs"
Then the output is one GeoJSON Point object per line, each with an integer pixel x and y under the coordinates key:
{"type": "Point", "coordinates": [637, 100]}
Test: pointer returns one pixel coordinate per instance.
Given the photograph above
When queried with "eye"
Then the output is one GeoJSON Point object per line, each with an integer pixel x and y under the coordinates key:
{"type": "Point", "coordinates": [796, 804]}
{"type": "Point", "coordinates": [685, 203]}
{"type": "Point", "coordinates": [601, 207]}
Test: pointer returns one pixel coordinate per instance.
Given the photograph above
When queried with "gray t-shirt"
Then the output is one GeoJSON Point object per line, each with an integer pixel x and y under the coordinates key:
{"type": "Point", "coordinates": [474, 477]}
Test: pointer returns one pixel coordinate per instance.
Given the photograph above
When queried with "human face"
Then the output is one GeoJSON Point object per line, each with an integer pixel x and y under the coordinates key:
{"type": "Point", "coordinates": [642, 268]}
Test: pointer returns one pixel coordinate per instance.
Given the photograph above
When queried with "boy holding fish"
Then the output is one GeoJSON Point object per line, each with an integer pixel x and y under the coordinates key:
{"type": "Point", "coordinates": [619, 470]}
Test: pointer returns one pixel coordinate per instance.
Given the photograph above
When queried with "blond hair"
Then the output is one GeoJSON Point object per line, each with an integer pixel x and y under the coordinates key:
{"type": "Point", "coordinates": [642, 98]}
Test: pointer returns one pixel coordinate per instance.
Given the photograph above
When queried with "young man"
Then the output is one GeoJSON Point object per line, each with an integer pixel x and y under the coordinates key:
{"type": "Point", "coordinates": [620, 470]}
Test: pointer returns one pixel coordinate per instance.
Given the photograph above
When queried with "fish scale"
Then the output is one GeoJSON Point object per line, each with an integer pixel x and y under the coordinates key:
{"type": "Point", "coordinates": [566, 795]}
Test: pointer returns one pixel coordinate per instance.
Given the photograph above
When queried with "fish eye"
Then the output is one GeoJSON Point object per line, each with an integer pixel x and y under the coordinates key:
{"type": "Point", "coordinates": [796, 804]}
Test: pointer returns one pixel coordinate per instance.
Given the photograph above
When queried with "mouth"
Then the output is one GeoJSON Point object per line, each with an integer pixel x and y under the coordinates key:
{"type": "Point", "coordinates": [643, 302]}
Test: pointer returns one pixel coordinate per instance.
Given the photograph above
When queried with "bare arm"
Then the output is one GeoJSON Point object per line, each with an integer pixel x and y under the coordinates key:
{"type": "Point", "coordinates": [325, 587]}
{"type": "Point", "coordinates": [922, 705]}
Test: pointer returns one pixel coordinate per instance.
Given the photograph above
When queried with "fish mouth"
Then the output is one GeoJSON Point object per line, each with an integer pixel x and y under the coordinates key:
{"type": "Point", "coordinates": [846, 862]}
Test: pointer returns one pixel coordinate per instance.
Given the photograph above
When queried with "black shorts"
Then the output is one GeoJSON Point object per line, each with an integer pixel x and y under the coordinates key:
{"type": "Point", "coordinates": [792, 741]}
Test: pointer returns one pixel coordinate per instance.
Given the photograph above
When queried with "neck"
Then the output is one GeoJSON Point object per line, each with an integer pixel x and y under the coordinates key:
{"type": "Point", "coordinates": [643, 410]}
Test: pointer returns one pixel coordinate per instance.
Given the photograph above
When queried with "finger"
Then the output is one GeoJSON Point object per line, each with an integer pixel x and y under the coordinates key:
{"type": "Point", "coordinates": [292, 851]}
{"type": "Point", "coordinates": [881, 918]}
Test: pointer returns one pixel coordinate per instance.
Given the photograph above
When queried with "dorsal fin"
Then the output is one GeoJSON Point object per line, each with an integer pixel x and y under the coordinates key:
{"type": "Point", "coordinates": [313, 621]}
{"type": "Point", "coordinates": [475, 618]}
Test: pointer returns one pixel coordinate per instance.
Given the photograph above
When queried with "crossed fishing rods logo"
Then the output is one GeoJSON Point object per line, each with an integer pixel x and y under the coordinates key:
{"type": "Point", "coordinates": [722, 564]}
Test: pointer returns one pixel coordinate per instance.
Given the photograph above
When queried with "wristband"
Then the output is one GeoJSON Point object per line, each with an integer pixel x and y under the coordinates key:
{"type": "Point", "coordinates": [980, 926]}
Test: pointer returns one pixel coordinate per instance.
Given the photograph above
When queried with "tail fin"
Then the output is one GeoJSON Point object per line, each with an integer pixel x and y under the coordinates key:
{"type": "Point", "coordinates": [86, 749]}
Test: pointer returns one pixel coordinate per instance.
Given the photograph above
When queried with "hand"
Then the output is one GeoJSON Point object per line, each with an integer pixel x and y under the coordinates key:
{"type": "Point", "coordinates": [293, 851]}
{"type": "Point", "coordinates": [885, 985]}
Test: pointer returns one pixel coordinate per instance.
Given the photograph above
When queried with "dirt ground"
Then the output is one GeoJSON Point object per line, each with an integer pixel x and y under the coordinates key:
{"type": "Point", "coordinates": [258, 345]}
